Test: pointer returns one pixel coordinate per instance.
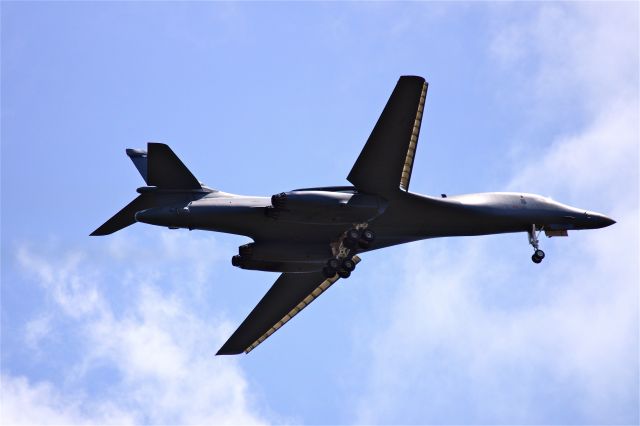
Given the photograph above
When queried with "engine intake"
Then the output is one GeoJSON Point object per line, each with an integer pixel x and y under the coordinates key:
{"type": "Point", "coordinates": [279, 201]}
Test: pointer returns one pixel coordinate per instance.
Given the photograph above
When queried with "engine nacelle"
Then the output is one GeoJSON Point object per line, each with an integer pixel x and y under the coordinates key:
{"type": "Point", "coordinates": [325, 207]}
{"type": "Point", "coordinates": [285, 252]}
{"type": "Point", "coordinates": [281, 257]}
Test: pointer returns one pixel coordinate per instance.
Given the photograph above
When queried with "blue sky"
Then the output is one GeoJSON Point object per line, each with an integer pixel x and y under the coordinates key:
{"type": "Point", "coordinates": [257, 98]}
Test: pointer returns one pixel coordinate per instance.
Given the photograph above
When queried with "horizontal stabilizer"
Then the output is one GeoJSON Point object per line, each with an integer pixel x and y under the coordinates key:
{"type": "Point", "coordinates": [126, 216]}
{"type": "Point", "coordinates": [165, 170]}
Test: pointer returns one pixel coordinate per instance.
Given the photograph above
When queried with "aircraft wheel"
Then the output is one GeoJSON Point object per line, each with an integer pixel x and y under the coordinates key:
{"type": "Point", "coordinates": [333, 264]}
{"type": "Point", "coordinates": [368, 236]}
{"type": "Point", "coordinates": [536, 259]}
{"type": "Point", "coordinates": [353, 234]}
{"type": "Point", "coordinates": [344, 274]}
{"type": "Point", "coordinates": [539, 254]}
{"type": "Point", "coordinates": [328, 272]}
{"type": "Point", "coordinates": [348, 265]}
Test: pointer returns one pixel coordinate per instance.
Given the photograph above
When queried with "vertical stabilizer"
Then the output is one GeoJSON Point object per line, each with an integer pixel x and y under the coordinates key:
{"type": "Point", "coordinates": [159, 167]}
{"type": "Point", "coordinates": [165, 170]}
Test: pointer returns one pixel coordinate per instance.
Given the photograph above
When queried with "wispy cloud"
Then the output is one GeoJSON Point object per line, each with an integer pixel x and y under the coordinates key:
{"type": "Point", "coordinates": [600, 162]}
{"type": "Point", "coordinates": [24, 402]}
{"type": "Point", "coordinates": [160, 351]}
{"type": "Point", "coordinates": [569, 55]}
{"type": "Point", "coordinates": [488, 342]}
{"type": "Point", "coordinates": [485, 345]}
{"type": "Point", "coordinates": [37, 329]}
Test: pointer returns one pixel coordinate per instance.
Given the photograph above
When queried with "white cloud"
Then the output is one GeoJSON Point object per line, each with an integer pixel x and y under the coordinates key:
{"type": "Point", "coordinates": [72, 288]}
{"type": "Point", "coordinates": [160, 351]}
{"type": "Point", "coordinates": [42, 404]}
{"type": "Point", "coordinates": [485, 344]}
{"type": "Point", "coordinates": [592, 163]}
{"type": "Point", "coordinates": [575, 331]}
{"type": "Point", "coordinates": [579, 53]}
{"type": "Point", "coordinates": [37, 329]}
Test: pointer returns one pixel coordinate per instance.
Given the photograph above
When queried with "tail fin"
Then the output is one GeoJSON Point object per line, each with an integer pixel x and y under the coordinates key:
{"type": "Point", "coordinates": [126, 216]}
{"type": "Point", "coordinates": [159, 167]}
{"type": "Point", "coordinates": [165, 170]}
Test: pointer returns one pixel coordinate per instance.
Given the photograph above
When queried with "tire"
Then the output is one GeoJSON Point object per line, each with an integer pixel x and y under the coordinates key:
{"type": "Point", "coordinates": [333, 264]}
{"type": "Point", "coordinates": [536, 259]}
{"type": "Point", "coordinates": [352, 234]}
{"type": "Point", "coordinates": [368, 236]}
{"type": "Point", "coordinates": [348, 265]}
{"type": "Point", "coordinates": [344, 274]}
{"type": "Point", "coordinates": [328, 272]}
{"type": "Point", "coordinates": [539, 253]}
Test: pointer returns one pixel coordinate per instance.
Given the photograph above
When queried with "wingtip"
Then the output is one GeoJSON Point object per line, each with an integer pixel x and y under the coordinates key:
{"type": "Point", "coordinates": [101, 231]}
{"type": "Point", "coordinates": [417, 77]}
{"type": "Point", "coordinates": [223, 351]}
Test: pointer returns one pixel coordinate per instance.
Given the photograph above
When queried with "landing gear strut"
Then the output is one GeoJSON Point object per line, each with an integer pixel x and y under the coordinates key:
{"type": "Point", "coordinates": [538, 254]}
{"type": "Point", "coordinates": [344, 249]}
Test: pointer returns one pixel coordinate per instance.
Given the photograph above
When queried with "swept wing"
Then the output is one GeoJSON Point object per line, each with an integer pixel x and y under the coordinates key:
{"type": "Point", "coordinates": [385, 163]}
{"type": "Point", "coordinates": [290, 294]}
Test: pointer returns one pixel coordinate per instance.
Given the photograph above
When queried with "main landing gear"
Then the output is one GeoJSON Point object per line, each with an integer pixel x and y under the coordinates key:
{"type": "Point", "coordinates": [343, 267]}
{"type": "Point", "coordinates": [538, 254]}
{"type": "Point", "coordinates": [342, 262]}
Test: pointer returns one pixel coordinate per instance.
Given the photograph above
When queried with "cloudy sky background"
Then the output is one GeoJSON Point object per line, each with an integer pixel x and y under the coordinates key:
{"type": "Point", "coordinates": [261, 98]}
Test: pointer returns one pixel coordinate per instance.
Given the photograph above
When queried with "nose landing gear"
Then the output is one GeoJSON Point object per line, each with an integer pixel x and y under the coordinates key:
{"type": "Point", "coordinates": [538, 254]}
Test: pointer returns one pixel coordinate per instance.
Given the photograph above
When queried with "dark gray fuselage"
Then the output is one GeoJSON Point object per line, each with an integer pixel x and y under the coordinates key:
{"type": "Point", "coordinates": [293, 232]}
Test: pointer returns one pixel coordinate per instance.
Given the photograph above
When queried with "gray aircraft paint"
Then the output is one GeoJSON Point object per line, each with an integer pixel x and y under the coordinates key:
{"type": "Point", "coordinates": [300, 232]}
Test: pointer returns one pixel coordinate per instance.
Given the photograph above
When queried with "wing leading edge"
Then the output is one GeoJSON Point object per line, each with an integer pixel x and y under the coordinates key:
{"type": "Point", "coordinates": [386, 161]}
{"type": "Point", "coordinates": [290, 294]}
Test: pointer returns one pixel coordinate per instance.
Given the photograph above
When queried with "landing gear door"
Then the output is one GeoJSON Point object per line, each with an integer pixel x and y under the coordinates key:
{"type": "Point", "coordinates": [556, 233]}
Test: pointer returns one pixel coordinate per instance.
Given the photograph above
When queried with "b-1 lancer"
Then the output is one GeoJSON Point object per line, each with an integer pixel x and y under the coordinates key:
{"type": "Point", "coordinates": [313, 236]}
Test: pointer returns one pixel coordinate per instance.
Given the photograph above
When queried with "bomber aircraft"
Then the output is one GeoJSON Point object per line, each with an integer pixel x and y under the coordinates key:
{"type": "Point", "coordinates": [313, 236]}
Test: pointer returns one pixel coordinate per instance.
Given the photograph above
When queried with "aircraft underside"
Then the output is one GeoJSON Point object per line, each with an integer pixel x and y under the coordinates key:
{"type": "Point", "coordinates": [293, 238]}
{"type": "Point", "coordinates": [314, 236]}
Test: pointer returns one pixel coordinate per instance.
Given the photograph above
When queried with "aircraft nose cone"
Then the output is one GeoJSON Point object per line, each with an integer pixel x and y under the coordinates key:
{"type": "Point", "coordinates": [607, 221]}
{"type": "Point", "coordinates": [601, 221]}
